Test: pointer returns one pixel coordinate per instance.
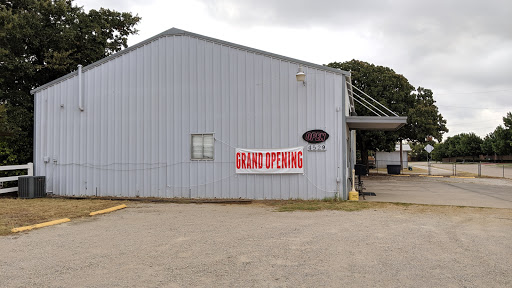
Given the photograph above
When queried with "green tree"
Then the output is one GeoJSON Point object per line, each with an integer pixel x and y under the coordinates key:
{"type": "Point", "coordinates": [418, 152]}
{"type": "Point", "coordinates": [499, 142]}
{"type": "Point", "coordinates": [41, 40]}
{"type": "Point", "coordinates": [503, 141]}
{"type": "Point", "coordinates": [439, 152]}
{"type": "Point", "coordinates": [469, 145]}
{"type": "Point", "coordinates": [507, 121]}
{"type": "Point", "coordinates": [452, 145]}
{"type": "Point", "coordinates": [487, 144]}
{"type": "Point", "coordinates": [424, 119]}
{"type": "Point", "coordinates": [395, 92]}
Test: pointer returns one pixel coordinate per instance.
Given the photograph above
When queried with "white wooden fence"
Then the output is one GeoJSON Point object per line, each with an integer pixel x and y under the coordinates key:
{"type": "Point", "coordinates": [30, 172]}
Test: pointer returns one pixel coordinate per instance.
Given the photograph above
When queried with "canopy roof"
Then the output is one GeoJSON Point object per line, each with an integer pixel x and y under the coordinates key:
{"type": "Point", "coordinates": [375, 123]}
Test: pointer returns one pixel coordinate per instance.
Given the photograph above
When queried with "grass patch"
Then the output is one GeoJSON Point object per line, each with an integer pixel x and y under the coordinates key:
{"type": "Point", "coordinates": [23, 212]}
{"type": "Point", "coordinates": [349, 206]}
{"type": "Point", "coordinates": [466, 174]}
{"type": "Point", "coordinates": [316, 205]}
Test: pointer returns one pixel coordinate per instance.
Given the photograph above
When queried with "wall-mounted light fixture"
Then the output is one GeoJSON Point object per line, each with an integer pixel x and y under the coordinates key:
{"type": "Point", "coordinates": [301, 76]}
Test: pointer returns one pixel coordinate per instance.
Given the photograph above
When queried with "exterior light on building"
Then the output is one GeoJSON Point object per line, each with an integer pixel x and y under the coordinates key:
{"type": "Point", "coordinates": [301, 76]}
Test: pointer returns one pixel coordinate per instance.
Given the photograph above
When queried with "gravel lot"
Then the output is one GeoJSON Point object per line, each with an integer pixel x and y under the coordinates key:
{"type": "Point", "coordinates": [173, 245]}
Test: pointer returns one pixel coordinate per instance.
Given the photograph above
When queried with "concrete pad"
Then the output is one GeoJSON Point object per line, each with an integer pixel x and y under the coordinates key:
{"type": "Point", "coordinates": [476, 192]}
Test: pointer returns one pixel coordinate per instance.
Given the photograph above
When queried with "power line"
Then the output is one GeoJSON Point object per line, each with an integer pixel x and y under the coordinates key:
{"type": "Point", "coordinates": [481, 108]}
{"type": "Point", "coordinates": [468, 123]}
{"type": "Point", "coordinates": [457, 131]}
{"type": "Point", "coordinates": [475, 92]}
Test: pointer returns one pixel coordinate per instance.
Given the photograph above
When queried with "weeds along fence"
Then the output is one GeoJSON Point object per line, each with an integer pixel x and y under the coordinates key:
{"type": "Point", "coordinates": [30, 172]}
{"type": "Point", "coordinates": [479, 169]}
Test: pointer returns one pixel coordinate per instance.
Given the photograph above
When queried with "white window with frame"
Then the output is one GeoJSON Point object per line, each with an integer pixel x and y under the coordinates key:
{"type": "Point", "coordinates": [202, 146]}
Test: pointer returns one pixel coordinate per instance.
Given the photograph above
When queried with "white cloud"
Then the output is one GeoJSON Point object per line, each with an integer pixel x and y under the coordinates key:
{"type": "Point", "coordinates": [447, 46]}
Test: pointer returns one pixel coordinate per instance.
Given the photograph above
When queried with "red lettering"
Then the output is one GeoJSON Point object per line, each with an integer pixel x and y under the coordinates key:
{"type": "Point", "coordinates": [238, 160]}
{"type": "Point", "coordinates": [248, 160]}
{"type": "Point", "coordinates": [243, 161]}
{"type": "Point", "coordinates": [288, 159]}
{"type": "Point", "coordinates": [294, 160]}
{"type": "Point", "coordinates": [254, 160]}
{"type": "Point", "coordinates": [278, 158]}
{"type": "Point", "coordinates": [273, 159]}
{"type": "Point", "coordinates": [267, 160]}
{"type": "Point", "coordinates": [260, 160]}
{"type": "Point", "coordinates": [284, 160]}
{"type": "Point", "coordinates": [300, 159]}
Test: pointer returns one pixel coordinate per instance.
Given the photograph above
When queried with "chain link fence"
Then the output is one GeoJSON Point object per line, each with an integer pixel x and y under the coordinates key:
{"type": "Point", "coordinates": [479, 169]}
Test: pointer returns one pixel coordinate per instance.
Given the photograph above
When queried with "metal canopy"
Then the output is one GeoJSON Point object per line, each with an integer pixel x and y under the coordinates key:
{"type": "Point", "coordinates": [385, 119]}
{"type": "Point", "coordinates": [375, 123]}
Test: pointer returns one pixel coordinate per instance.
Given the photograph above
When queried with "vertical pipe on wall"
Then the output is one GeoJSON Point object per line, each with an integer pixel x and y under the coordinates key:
{"type": "Point", "coordinates": [80, 95]}
{"type": "Point", "coordinates": [344, 135]}
{"type": "Point", "coordinates": [353, 157]}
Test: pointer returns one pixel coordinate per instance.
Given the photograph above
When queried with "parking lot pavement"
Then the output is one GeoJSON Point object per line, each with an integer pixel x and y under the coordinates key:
{"type": "Point", "coordinates": [477, 192]}
{"type": "Point", "coordinates": [189, 245]}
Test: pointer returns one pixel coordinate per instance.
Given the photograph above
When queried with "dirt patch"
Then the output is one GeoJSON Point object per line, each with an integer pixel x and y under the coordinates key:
{"type": "Point", "coordinates": [23, 212]}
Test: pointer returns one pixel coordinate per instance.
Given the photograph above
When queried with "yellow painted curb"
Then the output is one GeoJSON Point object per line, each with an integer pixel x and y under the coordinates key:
{"type": "Point", "coordinates": [436, 176]}
{"type": "Point", "coordinates": [40, 225]}
{"type": "Point", "coordinates": [107, 210]}
{"type": "Point", "coordinates": [402, 175]}
{"type": "Point", "coordinates": [462, 177]}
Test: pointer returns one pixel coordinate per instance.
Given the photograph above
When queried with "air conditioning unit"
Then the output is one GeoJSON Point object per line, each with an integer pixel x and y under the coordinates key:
{"type": "Point", "coordinates": [31, 187]}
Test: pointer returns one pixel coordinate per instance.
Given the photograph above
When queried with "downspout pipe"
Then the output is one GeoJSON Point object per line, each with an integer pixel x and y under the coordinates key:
{"type": "Point", "coordinates": [80, 94]}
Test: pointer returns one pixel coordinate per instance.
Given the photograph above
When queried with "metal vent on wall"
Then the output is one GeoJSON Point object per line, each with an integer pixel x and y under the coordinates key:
{"type": "Point", "coordinates": [31, 187]}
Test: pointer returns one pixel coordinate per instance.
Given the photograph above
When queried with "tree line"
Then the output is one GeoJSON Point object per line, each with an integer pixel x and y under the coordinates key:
{"type": "Point", "coordinates": [497, 143]}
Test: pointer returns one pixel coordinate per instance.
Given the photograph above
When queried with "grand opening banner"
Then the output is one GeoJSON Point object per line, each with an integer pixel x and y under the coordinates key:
{"type": "Point", "coordinates": [269, 161]}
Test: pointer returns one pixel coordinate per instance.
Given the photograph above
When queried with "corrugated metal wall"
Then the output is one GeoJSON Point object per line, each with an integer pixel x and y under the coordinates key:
{"type": "Point", "coordinates": [133, 138]}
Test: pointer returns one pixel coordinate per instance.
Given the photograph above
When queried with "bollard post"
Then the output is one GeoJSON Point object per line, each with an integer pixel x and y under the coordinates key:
{"type": "Point", "coordinates": [503, 171]}
{"type": "Point", "coordinates": [480, 169]}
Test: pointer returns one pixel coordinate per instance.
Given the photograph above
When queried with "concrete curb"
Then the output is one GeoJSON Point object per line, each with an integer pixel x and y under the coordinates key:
{"type": "Point", "coordinates": [107, 210]}
{"type": "Point", "coordinates": [462, 177]}
{"type": "Point", "coordinates": [40, 225]}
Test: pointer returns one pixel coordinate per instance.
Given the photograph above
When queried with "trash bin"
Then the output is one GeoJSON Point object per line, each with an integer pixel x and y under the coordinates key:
{"type": "Point", "coordinates": [360, 170]}
{"type": "Point", "coordinates": [394, 169]}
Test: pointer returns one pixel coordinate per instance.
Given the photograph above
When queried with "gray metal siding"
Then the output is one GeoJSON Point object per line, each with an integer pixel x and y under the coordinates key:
{"type": "Point", "coordinates": [133, 138]}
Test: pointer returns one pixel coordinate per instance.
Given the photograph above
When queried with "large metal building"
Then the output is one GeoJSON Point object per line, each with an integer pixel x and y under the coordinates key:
{"type": "Point", "coordinates": [184, 115]}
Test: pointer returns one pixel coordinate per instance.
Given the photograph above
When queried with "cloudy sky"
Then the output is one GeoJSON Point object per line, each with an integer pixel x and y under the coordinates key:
{"type": "Point", "coordinates": [460, 49]}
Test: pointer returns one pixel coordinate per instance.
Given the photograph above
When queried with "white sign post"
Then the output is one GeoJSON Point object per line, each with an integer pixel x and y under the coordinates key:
{"type": "Point", "coordinates": [429, 148]}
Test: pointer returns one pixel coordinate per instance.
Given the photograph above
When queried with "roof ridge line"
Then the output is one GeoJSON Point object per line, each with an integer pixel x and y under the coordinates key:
{"type": "Point", "coordinates": [179, 32]}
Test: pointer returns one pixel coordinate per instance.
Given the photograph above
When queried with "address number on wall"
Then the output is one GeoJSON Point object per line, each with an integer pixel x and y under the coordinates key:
{"type": "Point", "coordinates": [317, 147]}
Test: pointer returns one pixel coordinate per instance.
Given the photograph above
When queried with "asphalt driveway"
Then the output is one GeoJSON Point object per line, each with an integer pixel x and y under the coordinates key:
{"type": "Point", "coordinates": [476, 192]}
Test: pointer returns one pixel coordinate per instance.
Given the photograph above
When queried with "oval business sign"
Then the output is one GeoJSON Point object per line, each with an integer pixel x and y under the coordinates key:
{"type": "Point", "coordinates": [315, 136]}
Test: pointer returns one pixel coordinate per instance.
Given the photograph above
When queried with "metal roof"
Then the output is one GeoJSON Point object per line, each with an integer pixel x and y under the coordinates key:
{"type": "Point", "coordinates": [179, 32]}
{"type": "Point", "coordinates": [405, 147]}
{"type": "Point", "coordinates": [375, 123]}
